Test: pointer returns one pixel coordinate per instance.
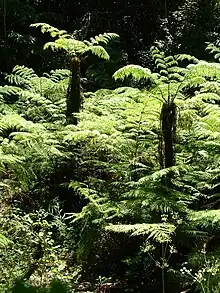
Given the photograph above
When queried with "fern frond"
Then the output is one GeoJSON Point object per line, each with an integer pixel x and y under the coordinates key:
{"type": "Point", "coordinates": [206, 218]}
{"type": "Point", "coordinates": [97, 51]}
{"type": "Point", "coordinates": [13, 122]}
{"type": "Point", "coordinates": [58, 75]}
{"type": "Point", "coordinates": [204, 69]}
{"type": "Point", "coordinates": [210, 87]}
{"type": "Point", "coordinates": [55, 46]}
{"type": "Point", "coordinates": [135, 71]}
{"type": "Point", "coordinates": [54, 32]}
{"type": "Point", "coordinates": [208, 97]}
{"type": "Point", "coordinates": [11, 160]}
{"type": "Point", "coordinates": [9, 90]}
{"type": "Point", "coordinates": [104, 38]}
{"type": "Point", "coordinates": [21, 76]}
{"type": "Point", "coordinates": [187, 57]}
{"type": "Point", "coordinates": [4, 241]}
{"type": "Point", "coordinates": [163, 173]}
{"type": "Point", "coordinates": [214, 49]}
{"type": "Point", "coordinates": [24, 71]}
{"type": "Point", "coordinates": [159, 232]}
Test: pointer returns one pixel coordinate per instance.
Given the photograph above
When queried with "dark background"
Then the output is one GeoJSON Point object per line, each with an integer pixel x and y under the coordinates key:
{"type": "Point", "coordinates": [180, 26]}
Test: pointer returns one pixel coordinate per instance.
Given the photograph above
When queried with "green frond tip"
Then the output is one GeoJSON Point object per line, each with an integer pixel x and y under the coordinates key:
{"type": "Point", "coordinates": [98, 51]}
{"type": "Point", "coordinates": [135, 71]}
{"type": "Point", "coordinates": [53, 46]}
{"type": "Point", "coordinates": [161, 174]}
{"type": "Point", "coordinates": [214, 49]}
{"type": "Point", "coordinates": [21, 76]}
{"type": "Point", "coordinates": [206, 218]}
{"type": "Point", "coordinates": [183, 57]}
{"type": "Point", "coordinates": [159, 232]}
{"type": "Point", "coordinates": [104, 38]}
{"type": "Point", "coordinates": [9, 90]}
{"type": "Point", "coordinates": [53, 31]}
{"type": "Point", "coordinates": [4, 241]}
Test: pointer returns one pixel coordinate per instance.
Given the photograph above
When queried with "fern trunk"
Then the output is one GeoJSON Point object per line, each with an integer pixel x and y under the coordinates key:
{"type": "Point", "coordinates": [168, 120]}
{"type": "Point", "coordinates": [73, 101]}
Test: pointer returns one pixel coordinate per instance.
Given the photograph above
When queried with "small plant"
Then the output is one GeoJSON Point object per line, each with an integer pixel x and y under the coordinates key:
{"type": "Point", "coordinates": [206, 274]}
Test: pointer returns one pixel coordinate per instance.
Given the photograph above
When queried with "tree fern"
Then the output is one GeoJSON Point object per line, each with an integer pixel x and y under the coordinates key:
{"type": "Point", "coordinates": [168, 111]}
{"type": "Point", "coordinates": [72, 46]}
{"type": "Point", "coordinates": [76, 50]}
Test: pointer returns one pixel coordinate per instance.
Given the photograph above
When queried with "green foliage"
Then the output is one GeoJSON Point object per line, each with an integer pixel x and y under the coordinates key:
{"type": "Point", "coordinates": [4, 241]}
{"type": "Point", "coordinates": [130, 191]}
{"type": "Point", "coordinates": [214, 49]}
{"type": "Point", "coordinates": [37, 98]}
{"type": "Point", "coordinates": [31, 252]}
{"type": "Point", "coordinates": [55, 287]}
{"type": "Point", "coordinates": [175, 191]}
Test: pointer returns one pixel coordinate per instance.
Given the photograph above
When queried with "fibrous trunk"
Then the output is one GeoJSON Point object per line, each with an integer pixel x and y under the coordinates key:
{"type": "Point", "coordinates": [74, 93]}
{"type": "Point", "coordinates": [168, 120]}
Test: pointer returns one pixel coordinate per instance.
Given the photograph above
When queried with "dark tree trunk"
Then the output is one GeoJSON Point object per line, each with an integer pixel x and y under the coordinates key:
{"type": "Point", "coordinates": [5, 34]}
{"type": "Point", "coordinates": [73, 100]}
{"type": "Point", "coordinates": [168, 120]}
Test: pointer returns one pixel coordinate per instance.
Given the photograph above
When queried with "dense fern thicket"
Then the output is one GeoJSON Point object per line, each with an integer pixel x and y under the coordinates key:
{"type": "Point", "coordinates": [110, 176]}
